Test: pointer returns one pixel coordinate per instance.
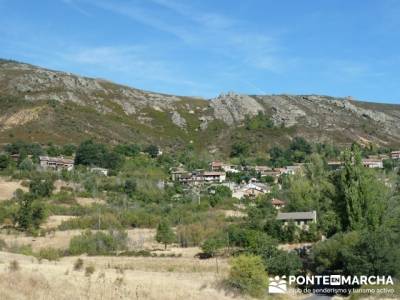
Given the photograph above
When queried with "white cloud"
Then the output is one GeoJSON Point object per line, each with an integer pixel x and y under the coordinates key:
{"type": "Point", "coordinates": [134, 61]}
{"type": "Point", "coordinates": [206, 31]}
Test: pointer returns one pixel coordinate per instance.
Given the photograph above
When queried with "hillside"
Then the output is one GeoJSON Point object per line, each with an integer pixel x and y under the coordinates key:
{"type": "Point", "coordinates": [42, 105]}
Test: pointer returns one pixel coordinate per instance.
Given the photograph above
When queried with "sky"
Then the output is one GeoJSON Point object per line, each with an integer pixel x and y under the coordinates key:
{"type": "Point", "coordinates": [204, 48]}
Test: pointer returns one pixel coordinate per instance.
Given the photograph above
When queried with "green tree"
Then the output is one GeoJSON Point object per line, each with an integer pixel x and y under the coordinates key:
{"type": "Point", "coordinates": [26, 164]}
{"type": "Point", "coordinates": [165, 234]}
{"type": "Point", "coordinates": [213, 244]}
{"type": "Point", "coordinates": [152, 150]}
{"type": "Point", "coordinates": [362, 198]}
{"type": "Point", "coordinates": [127, 149]}
{"type": "Point", "coordinates": [112, 160]}
{"type": "Point", "coordinates": [30, 213]}
{"type": "Point", "coordinates": [41, 187]}
{"type": "Point", "coordinates": [4, 161]}
{"type": "Point", "coordinates": [239, 149]}
{"type": "Point", "coordinates": [130, 187]}
{"type": "Point", "coordinates": [359, 253]}
{"type": "Point", "coordinates": [68, 149]}
{"type": "Point", "coordinates": [285, 263]}
{"type": "Point", "coordinates": [248, 275]}
{"type": "Point", "coordinates": [53, 150]}
{"type": "Point", "coordinates": [90, 153]}
{"type": "Point", "coordinates": [279, 157]}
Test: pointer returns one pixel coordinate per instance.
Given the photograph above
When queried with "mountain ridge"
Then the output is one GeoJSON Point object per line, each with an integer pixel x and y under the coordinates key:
{"type": "Point", "coordinates": [37, 102]}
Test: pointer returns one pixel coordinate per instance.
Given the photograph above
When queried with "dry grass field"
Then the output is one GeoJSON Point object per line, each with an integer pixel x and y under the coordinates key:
{"type": "Point", "coordinates": [25, 278]}
{"type": "Point", "coordinates": [138, 238]}
{"type": "Point", "coordinates": [113, 278]}
{"type": "Point", "coordinates": [7, 188]}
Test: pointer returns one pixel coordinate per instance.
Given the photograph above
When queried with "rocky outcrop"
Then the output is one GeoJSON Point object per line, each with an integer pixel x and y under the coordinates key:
{"type": "Point", "coordinates": [41, 84]}
{"type": "Point", "coordinates": [232, 107]}
{"type": "Point", "coordinates": [178, 120]}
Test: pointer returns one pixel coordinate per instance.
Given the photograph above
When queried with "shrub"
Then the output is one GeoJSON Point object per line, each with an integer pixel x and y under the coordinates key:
{"type": "Point", "coordinates": [248, 275]}
{"type": "Point", "coordinates": [142, 253]}
{"type": "Point", "coordinates": [49, 253]}
{"type": "Point", "coordinates": [26, 165]}
{"type": "Point", "coordinates": [4, 161]}
{"type": "Point", "coordinates": [99, 243]}
{"type": "Point", "coordinates": [3, 245]}
{"type": "Point", "coordinates": [41, 187]}
{"type": "Point", "coordinates": [78, 264]}
{"type": "Point", "coordinates": [104, 221]}
{"type": "Point", "coordinates": [211, 246]}
{"type": "Point", "coordinates": [14, 266]}
{"type": "Point", "coordinates": [89, 270]}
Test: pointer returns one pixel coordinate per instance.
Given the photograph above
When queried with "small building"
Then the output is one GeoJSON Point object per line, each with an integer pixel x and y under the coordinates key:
{"type": "Point", "coordinates": [230, 168]}
{"type": "Point", "coordinates": [56, 163]}
{"type": "Point", "coordinates": [277, 203]}
{"type": "Point", "coordinates": [197, 176]}
{"type": "Point", "coordinates": [292, 170]}
{"type": "Point", "coordinates": [211, 176]}
{"type": "Point", "coordinates": [395, 154]}
{"type": "Point", "coordinates": [372, 163]}
{"type": "Point", "coordinates": [255, 189]}
{"type": "Point", "coordinates": [99, 170]}
{"type": "Point", "coordinates": [216, 166]}
{"type": "Point", "coordinates": [178, 173]}
{"type": "Point", "coordinates": [272, 173]}
{"type": "Point", "coordinates": [300, 219]}
{"type": "Point", "coordinates": [262, 170]}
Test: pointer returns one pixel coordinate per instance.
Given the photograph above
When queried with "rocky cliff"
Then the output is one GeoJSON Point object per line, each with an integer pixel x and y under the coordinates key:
{"type": "Point", "coordinates": [45, 105]}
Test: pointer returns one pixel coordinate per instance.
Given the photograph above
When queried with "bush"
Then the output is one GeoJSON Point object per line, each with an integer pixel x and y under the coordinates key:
{"type": "Point", "coordinates": [211, 245]}
{"type": "Point", "coordinates": [99, 243]}
{"type": "Point", "coordinates": [140, 253]}
{"type": "Point", "coordinates": [26, 165]}
{"type": "Point", "coordinates": [248, 275]}
{"type": "Point", "coordinates": [78, 264]}
{"type": "Point", "coordinates": [49, 253]}
{"type": "Point", "coordinates": [89, 270]}
{"type": "Point", "coordinates": [4, 161]}
{"type": "Point", "coordinates": [104, 221]}
{"type": "Point", "coordinates": [3, 245]}
{"type": "Point", "coordinates": [14, 266]}
{"type": "Point", "coordinates": [41, 187]}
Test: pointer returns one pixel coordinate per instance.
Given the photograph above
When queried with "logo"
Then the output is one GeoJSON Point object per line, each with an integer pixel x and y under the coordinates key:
{"type": "Point", "coordinates": [335, 280]}
{"type": "Point", "coordinates": [277, 285]}
{"type": "Point", "coordinates": [325, 283]}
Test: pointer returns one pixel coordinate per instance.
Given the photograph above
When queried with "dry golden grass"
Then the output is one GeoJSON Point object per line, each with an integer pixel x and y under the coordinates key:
{"type": "Point", "coordinates": [234, 213]}
{"type": "Point", "coordinates": [53, 222]}
{"type": "Point", "coordinates": [89, 201]}
{"type": "Point", "coordinates": [143, 278]}
{"type": "Point", "coordinates": [58, 184]}
{"type": "Point", "coordinates": [139, 238]}
{"type": "Point", "coordinates": [58, 280]}
{"type": "Point", "coordinates": [58, 239]}
{"type": "Point", "coordinates": [7, 188]}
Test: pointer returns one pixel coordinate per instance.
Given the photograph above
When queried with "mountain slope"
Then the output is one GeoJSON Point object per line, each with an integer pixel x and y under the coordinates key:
{"type": "Point", "coordinates": [44, 105]}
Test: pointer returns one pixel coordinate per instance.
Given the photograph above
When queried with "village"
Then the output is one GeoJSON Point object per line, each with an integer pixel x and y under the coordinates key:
{"type": "Point", "coordinates": [139, 209]}
{"type": "Point", "coordinates": [260, 180]}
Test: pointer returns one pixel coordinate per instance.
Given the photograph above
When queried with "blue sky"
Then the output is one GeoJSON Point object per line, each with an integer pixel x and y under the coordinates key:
{"type": "Point", "coordinates": [203, 48]}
